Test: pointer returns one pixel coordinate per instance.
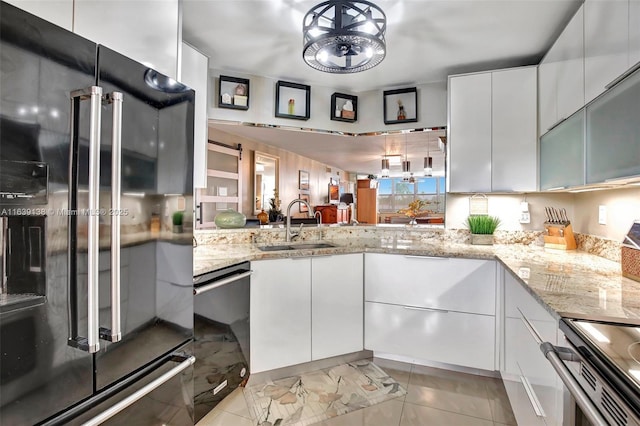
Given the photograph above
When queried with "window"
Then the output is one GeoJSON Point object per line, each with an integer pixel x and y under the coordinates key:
{"type": "Point", "coordinates": [395, 194]}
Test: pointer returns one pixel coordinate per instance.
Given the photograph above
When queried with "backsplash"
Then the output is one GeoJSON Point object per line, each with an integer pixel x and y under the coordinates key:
{"type": "Point", "coordinates": [598, 246]}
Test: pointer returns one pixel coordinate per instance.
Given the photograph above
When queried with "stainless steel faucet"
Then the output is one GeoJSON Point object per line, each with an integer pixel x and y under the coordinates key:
{"type": "Point", "coordinates": [292, 234]}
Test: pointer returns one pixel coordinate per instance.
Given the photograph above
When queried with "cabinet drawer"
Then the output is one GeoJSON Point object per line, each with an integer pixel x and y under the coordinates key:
{"type": "Point", "coordinates": [521, 404]}
{"type": "Point", "coordinates": [448, 337]}
{"type": "Point", "coordinates": [464, 285]}
{"type": "Point", "coordinates": [518, 300]}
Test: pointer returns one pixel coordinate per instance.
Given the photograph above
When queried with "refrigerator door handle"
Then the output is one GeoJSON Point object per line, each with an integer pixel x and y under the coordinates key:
{"type": "Point", "coordinates": [115, 333]}
{"type": "Point", "coordinates": [91, 343]}
{"type": "Point", "coordinates": [142, 392]}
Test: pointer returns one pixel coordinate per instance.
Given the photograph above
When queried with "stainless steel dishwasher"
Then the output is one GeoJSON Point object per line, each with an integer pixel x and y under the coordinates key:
{"type": "Point", "coordinates": [221, 332]}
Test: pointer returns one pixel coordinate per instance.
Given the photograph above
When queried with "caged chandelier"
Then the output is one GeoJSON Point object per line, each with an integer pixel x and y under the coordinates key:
{"type": "Point", "coordinates": [344, 36]}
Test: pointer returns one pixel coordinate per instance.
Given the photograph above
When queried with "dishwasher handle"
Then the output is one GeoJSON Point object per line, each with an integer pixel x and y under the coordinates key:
{"type": "Point", "coordinates": [555, 356]}
{"type": "Point", "coordinates": [218, 283]}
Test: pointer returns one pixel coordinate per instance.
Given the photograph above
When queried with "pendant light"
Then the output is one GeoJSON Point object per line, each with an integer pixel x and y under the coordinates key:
{"type": "Point", "coordinates": [385, 160]}
{"type": "Point", "coordinates": [428, 162]}
{"type": "Point", "coordinates": [406, 164]}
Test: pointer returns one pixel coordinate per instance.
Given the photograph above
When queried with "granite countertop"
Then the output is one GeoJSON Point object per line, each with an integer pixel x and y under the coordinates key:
{"type": "Point", "coordinates": [568, 284]}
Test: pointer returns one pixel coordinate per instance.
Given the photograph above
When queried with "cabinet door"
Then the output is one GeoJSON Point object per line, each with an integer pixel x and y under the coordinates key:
{"type": "Point", "coordinates": [524, 363]}
{"type": "Point", "coordinates": [59, 12]}
{"type": "Point", "coordinates": [195, 74]}
{"type": "Point", "coordinates": [613, 133]}
{"type": "Point", "coordinates": [470, 133]}
{"type": "Point", "coordinates": [514, 130]}
{"type": "Point", "coordinates": [337, 305]}
{"type": "Point", "coordinates": [547, 93]}
{"type": "Point", "coordinates": [367, 205]}
{"type": "Point", "coordinates": [431, 335]}
{"type": "Point", "coordinates": [280, 313]}
{"type": "Point", "coordinates": [606, 44]}
{"type": "Point", "coordinates": [634, 32]}
{"type": "Point", "coordinates": [562, 154]}
{"type": "Point", "coordinates": [570, 83]}
{"type": "Point", "coordinates": [144, 30]}
{"type": "Point", "coordinates": [464, 285]}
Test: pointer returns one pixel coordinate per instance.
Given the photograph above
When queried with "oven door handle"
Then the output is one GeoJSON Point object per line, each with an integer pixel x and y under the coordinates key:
{"type": "Point", "coordinates": [554, 355]}
{"type": "Point", "coordinates": [216, 284]}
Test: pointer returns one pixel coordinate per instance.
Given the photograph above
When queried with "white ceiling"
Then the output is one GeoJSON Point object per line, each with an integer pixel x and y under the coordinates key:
{"type": "Point", "coordinates": [426, 41]}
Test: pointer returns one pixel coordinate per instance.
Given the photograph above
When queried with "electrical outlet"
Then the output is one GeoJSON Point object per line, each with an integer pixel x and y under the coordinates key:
{"type": "Point", "coordinates": [525, 217]}
{"type": "Point", "coordinates": [602, 215]}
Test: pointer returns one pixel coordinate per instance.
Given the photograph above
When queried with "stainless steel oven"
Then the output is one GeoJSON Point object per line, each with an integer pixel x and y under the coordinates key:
{"type": "Point", "coordinates": [600, 367]}
{"type": "Point", "coordinates": [221, 332]}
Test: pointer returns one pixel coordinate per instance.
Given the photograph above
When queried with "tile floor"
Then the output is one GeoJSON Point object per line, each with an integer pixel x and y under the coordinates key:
{"type": "Point", "coordinates": [434, 397]}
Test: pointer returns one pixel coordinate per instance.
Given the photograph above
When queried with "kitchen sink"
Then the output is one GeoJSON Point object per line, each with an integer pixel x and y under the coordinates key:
{"type": "Point", "coordinates": [303, 246]}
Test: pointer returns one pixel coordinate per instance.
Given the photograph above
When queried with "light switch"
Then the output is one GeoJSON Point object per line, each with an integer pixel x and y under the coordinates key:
{"type": "Point", "coordinates": [602, 215]}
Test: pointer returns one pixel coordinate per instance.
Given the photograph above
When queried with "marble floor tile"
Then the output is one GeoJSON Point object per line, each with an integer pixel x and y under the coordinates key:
{"type": "Point", "coordinates": [417, 415]}
{"type": "Point", "coordinates": [222, 418]}
{"type": "Point", "coordinates": [235, 403]}
{"type": "Point", "coordinates": [448, 390]}
{"type": "Point", "coordinates": [384, 414]}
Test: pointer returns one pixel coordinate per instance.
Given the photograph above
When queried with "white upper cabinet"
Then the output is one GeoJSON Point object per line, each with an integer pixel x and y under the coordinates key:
{"type": "Point", "coordinates": [634, 32]}
{"type": "Point", "coordinates": [561, 76]}
{"type": "Point", "coordinates": [606, 44]}
{"type": "Point", "coordinates": [59, 12]}
{"type": "Point", "coordinates": [470, 133]}
{"type": "Point", "coordinates": [570, 68]}
{"type": "Point", "coordinates": [194, 70]}
{"type": "Point", "coordinates": [143, 30]}
{"type": "Point", "coordinates": [514, 130]}
{"type": "Point", "coordinates": [493, 131]}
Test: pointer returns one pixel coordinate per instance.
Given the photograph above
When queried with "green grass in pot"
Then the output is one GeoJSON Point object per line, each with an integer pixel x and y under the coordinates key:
{"type": "Point", "coordinates": [177, 218]}
{"type": "Point", "coordinates": [483, 224]}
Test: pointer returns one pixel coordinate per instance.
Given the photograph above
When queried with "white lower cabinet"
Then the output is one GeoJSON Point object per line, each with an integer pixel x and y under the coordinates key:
{"type": "Point", "coordinates": [433, 335]}
{"type": "Point", "coordinates": [534, 389]}
{"type": "Point", "coordinates": [336, 305]}
{"type": "Point", "coordinates": [305, 309]}
{"type": "Point", "coordinates": [431, 309]}
{"type": "Point", "coordinates": [280, 313]}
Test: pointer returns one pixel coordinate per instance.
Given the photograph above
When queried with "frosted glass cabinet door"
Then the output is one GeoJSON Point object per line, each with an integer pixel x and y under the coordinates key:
{"type": "Point", "coordinates": [562, 154]}
{"type": "Point", "coordinates": [613, 132]}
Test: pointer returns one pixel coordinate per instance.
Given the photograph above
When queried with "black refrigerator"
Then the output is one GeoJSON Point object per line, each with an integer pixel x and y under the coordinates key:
{"type": "Point", "coordinates": [96, 302]}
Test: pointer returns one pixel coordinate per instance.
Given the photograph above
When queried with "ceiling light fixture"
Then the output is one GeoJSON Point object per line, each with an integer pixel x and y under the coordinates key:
{"type": "Point", "coordinates": [406, 164]}
{"type": "Point", "coordinates": [385, 160]}
{"type": "Point", "coordinates": [428, 162]}
{"type": "Point", "coordinates": [344, 36]}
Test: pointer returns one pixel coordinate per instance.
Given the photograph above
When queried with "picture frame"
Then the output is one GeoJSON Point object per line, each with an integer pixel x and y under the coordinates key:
{"type": "Point", "coordinates": [338, 102]}
{"type": "Point", "coordinates": [334, 194]}
{"type": "Point", "coordinates": [303, 208]}
{"type": "Point", "coordinates": [293, 100]}
{"type": "Point", "coordinates": [229, 92]}
{"type": "Point", "coordinates": [303, 180]}
{"type": "Point", "coordinates": [392, 99]}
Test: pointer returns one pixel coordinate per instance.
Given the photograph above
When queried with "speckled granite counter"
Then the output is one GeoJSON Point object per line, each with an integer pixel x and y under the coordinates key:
{"type": "Point", "coordinates": [571, 284]}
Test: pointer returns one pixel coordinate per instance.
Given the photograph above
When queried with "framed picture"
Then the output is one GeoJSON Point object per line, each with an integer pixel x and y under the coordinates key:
{"type": "Point", "coordinates": [293, 100]}
{"type": "Point", "coordinates": [233, 92]}
{"type": "Point", "coordinates": [400, 106]}
{"type": "Point", "coordinates": [303, 180]}
{"type": "Point", "coordinates": [344, 107]}
{"type": "Point", "coordinates": [334, 194]}
{"type": "Point", "coordinates": [303, 208]}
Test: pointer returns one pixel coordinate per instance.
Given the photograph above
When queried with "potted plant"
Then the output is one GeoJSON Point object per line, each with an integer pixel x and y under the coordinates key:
{"type": "Point", "coordinates": [176, 219]}
{"type": "Point", "coordinates": [482, 228]}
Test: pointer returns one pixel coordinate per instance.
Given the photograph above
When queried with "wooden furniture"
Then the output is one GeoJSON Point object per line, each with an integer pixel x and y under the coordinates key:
{"type": "Point", "coordinates": [332, 213]}
{"type": "Point", "coordinates": [366, 202]}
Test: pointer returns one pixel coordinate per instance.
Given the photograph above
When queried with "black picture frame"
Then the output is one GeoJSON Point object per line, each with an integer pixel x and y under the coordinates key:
{"type": "Point", "coordinates": [302, 208]}
{"type": "Point", "coordinates": [227, 86]}
{"type": "Point", "coordinates": [287, 91]}
{"type": "Point", "coordinates": [409, 99]}
{"type": "Point", "coordinates": [303, 180]}
{"type": "Point", "coordinates": [337, 102]}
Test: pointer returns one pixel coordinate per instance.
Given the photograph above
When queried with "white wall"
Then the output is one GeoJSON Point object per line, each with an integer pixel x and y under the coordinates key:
{"type": "Point", "coordinates": [432, 106]}
{"type": "Point", "coordinates": [623, 207]}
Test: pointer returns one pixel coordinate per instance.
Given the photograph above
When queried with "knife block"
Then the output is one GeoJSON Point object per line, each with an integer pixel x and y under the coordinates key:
{"type": "Point", "coordinates": [559, 237]}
